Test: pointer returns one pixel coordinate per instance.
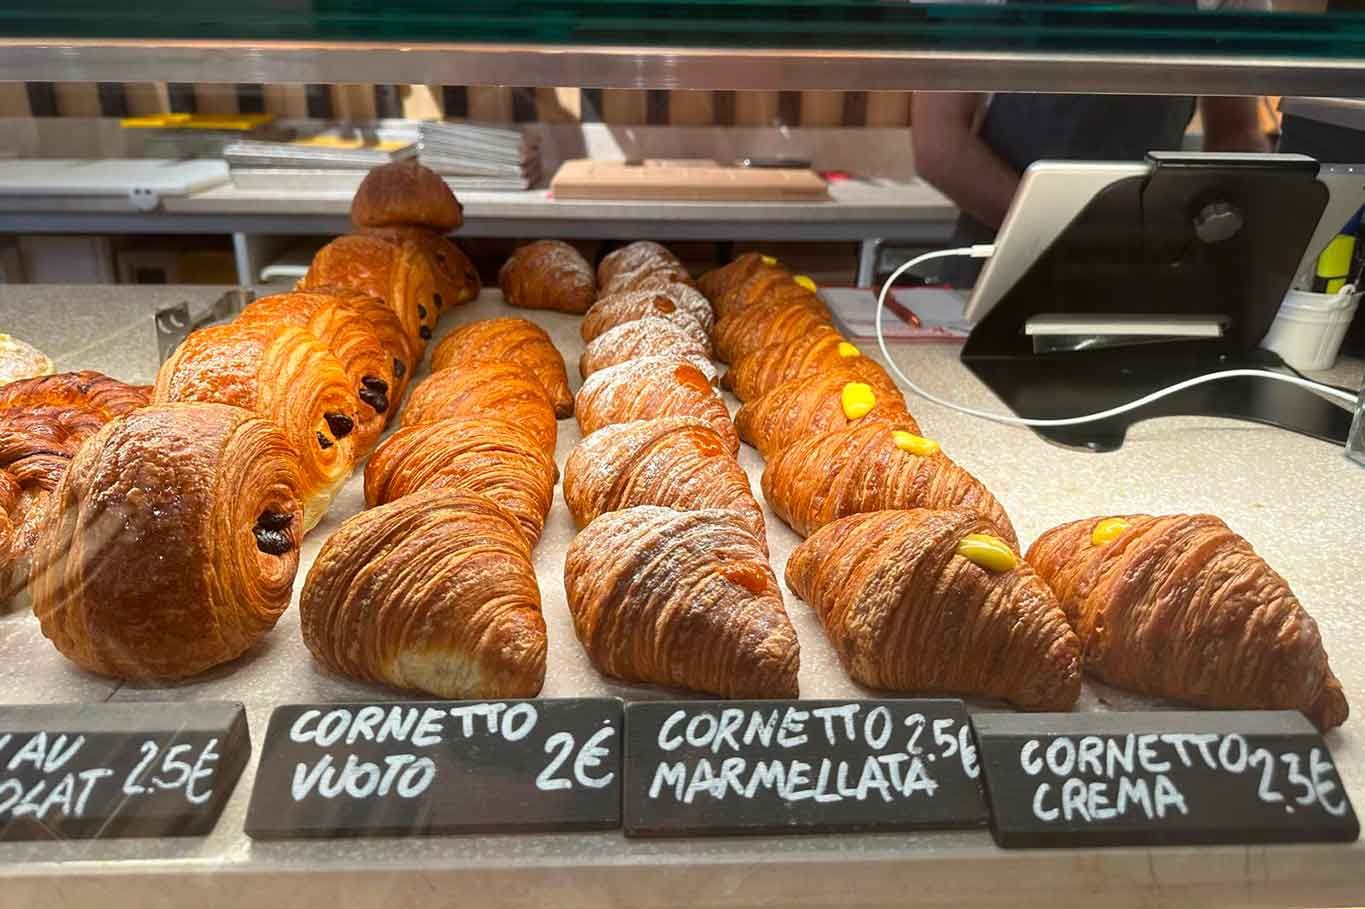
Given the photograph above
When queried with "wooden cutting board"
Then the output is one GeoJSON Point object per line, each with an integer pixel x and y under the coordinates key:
{"type": "Point", "coordinates": [685, 182]}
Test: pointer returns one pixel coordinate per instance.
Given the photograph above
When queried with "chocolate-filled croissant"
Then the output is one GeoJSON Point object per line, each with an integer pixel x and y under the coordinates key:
{"type": "Point", "coordinates": [397, 273]}
{"type": "Point", "coordinates": [651, 387]}
{"type": "Point", "coordinates": [498, 459]}
{"type": "Point", "coordinates": [677, 462]}
{"type": "Point", "coordinates": [683, 599]}
{"type": "Point", "coordinates": [433, 592]}
{"type": "Point", "coordinates": [548, 274]}
{"type": "Point", "coordinates": [677, 303]}
{"type": "Point", "coordinates": [769, 322]}
{"type": "Point", "coordinates": [877, 467]}
{"type": "Point", "coordinates": [499, 391]}
{"type": "Point", "coordinates": [171, 543]}
{"type": "Point", "coordinates": [626, 267]}
{"type": "Point", "coordinates": [929, 601]}
{"type": "Point", "coordinates": [285, 375]}
{"type": "Point", "coordinates": [647, 337]}
{"type": "Point", "coordinates": [719, 284]}
{"type": "Point", "coordinates": [817, 351]}
{"type": "Point", "coordinates": [406, 193]}
{"type": "Point", "coordinates": [814, 405]}
{"type": "Point", "coordinates": [351, 338]}
{"type": "Point", "coordinates": [514, 341]}
{"type": "Point", "coordinates": [456, 279]}
{"type": "Point", "coordinates": [1183, 608]}
{"type": "Point", "coordinates": [403, 351]}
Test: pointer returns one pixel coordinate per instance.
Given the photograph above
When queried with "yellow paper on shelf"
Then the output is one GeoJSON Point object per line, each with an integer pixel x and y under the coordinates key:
{"type": "Point", "coordinates": [349, 142]}
{"type": "Point", "coordinates": [238, 122]}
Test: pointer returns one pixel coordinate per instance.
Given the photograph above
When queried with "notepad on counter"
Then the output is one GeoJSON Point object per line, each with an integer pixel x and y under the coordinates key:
{"type": "Point", "coordinates": [938, 311]}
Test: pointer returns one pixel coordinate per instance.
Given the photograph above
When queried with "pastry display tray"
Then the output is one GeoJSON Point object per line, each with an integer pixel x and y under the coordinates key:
{"type": "Point", "coordinates": [1299, 501]}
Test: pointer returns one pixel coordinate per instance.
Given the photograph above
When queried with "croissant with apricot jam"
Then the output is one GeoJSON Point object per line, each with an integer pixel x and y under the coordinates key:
{"type": "Point", "coordinates": [677, 303]}
{"type": "Point", "coordinates": [651, 387]}
{"type": "Point", "coordinates": [647, 337]}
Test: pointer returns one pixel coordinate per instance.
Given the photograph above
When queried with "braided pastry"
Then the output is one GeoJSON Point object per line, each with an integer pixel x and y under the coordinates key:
{"type": "Point", "coordinates": [456, 279]}
{"type": "Point", "coordinates": [928, 601]}
{"type": "Point", "coordinates": [770, 322]}
{"type": "Point", "coordinates": [817, 351]}
{"type": "Point", "coordinates": [403, 352]}
{"type": "Point", "coordinates": [548, 274]}
{"type": "Point", "coordinates": [820, 479]}
{"type": "Point", "coordinates": [397, 273]}
{"type": "Point", "coordinates": [623, 269]}
{"type": "Point", "coordinates": [498, 391]}
{"type": "Point", "coordinates": [677, 462]}
{"type": "Point", "coordinates": [650, 387]}
{"type": "Point", "coordinates": [817, 404]}
{"type": "Point", "coordinates": [647, 337]}
{"type": "Point", "coordinates": [677, 303]}
{"type": "Point", "coordinates": [285, 375]}
{"type": "Point", "coordinates": [683, 599]}
{"type": "Point", "coordinates": [171, 543]}
{"type": "Point", "coordinates": [514, 341]}
{"type": "Point", "coordinates": [498, 459]}
{"type": "Point", "coordinates": [406, 193]}
{"type": "Point", "coordinates": [433, 592]}
{"type": "Point", "coordinates": [1183, 608]}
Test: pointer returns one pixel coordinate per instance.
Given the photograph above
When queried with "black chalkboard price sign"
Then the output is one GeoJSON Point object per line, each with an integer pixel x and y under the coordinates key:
{"type": "Point", "coordinates": [438, 767]}
{"type": "Point", "coordinates": [80, 771]}
{"type": "Point", "coordinates": [724, 767]}
{"type": "Point", "coordinates": [1160, 778]}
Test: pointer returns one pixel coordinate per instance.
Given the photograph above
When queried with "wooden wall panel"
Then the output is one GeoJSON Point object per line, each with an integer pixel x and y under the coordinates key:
{"type": "Point", "coordinates": [756, 108]}
{"type": "Point", "coordinates": [215, 98]}
{"type": "Point", "coordinates": [289, 101]}
{"type": "Point", "coordinates": [627, 107]}
{"type": "Point", "coordinates": [490, 103]}
{"type": "Point", "coordinates": [77, 99]}
{"type": "Point", "coordinates": [14, 100]}
{"type": "Point", "coordinates": [147, 99]}
{"type": "Point", "coordinates": [888, 109]}
{"type": "Point", "coordinates": [821, 109]}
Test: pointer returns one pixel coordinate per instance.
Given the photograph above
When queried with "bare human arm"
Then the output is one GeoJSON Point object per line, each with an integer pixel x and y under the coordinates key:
{"type": "Point", "coordinates": [954, 159]}
{"type": "Point", "coordinates": [1233, 125]}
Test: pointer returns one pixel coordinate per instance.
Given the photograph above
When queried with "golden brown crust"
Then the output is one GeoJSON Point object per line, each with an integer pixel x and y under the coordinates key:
{"type": "Point", "coordinates": [501, 391]}
{"type": "Point", "coordinates": [513, 341]}
{"type": "Point", "coordinates": [1182, 607]}
{"type": "Point", "coordinates": [285, 375]}
{"type": "Point", "coordinates": [433, 592]}
{"type": "Point", "coordinates": [397, 273]}
{"type": "Point", "coordinates": [684, 599]}
{"type": "Point", "coordinates": [721, 281]}
{"type": "Point", "coordinates": [905, 612]}
{"type": "Point", "coordinates": [813, 405]}
{"type": "Point", "coordinates": [677, 462]}
{"type": "Point", "coordinates": [647, 337]}
{"type": "Point", "coordinates": [405, 192]}
{"type": "Point", "coordinates": [743, 283]}
{"type": "Point", "coordinates": [770, 322]}
{"type": "Point", "coordinates": [820, 479]}
{"type": "Point", "coordinates": [404, 352]}
{"type": "Point", "coordinates": [677, 303]}
{"type": "Point", "coordinates": [651, 387]}
{"type": "Point", "coordinates": [171, 544]}
{"type": "Point", "coordinates": [816, 351]}
{"type": "Point", "coordinates": [548, 274]}
{"type": "Point", "coordinates": [624, 269]}
{"type": "Point", "coordinates": [456, 279]}
{"type": "Point", "coordinates": [492, 457]}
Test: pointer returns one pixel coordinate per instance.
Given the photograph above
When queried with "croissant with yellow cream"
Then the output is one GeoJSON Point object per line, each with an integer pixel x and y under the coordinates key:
{"type": "Point", "coordinates": [683, 599]}
{"type": "Point", "coordinates": [514, 341]}
{"type": "Point", "coordinates": [817, 404]}
{"type": "Point", "coordinates": [650, 387]}
{"type": "Point", "coordinates": [770, 322]}
{"type": "Point", "coordinates": [931, 602]}
{"type": "Point", "coordinates": [817, 351]}
{"type": "Point", "coordinates": [1183, 608]}
{"type": "Point", "coordinates": [499, 391]}
{"type": "Point", "coordinates": [397, 273]}
{"type": "Point", "coordinates": [677, 303]}
{"type": "Point", "coordinates": [498, 459]}
{"type": "Point", "coordinates": [719, 284]}
{"type": "Point", "coordinates": [433, 592]}
{"type": "Point", "coordinates": [285, 375]}
{"type": "Point", "coordinates": [647, 337]}
{"type": "Point", "coordinates": [677, 462]}
{"type": "Point", "coordinates": [171, 543]}
{"type": "Point", "coordinates": [548, 274]}
{"type": "Point", "coordinates": [817, 480]}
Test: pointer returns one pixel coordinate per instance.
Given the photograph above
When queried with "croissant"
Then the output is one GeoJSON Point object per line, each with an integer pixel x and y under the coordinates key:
{"type": "Point", "coordinates": [631, 263]}
{"type": "Point", "coordinates": [678, 303]}
{"type": "Point", "coordinates": [683, 599]}
{"type": "Point", "coordinates": [647, 337]}
{"type": "Point", "coordinates": [718, 283]}
{"type": "Point", "coordinates": [817, 404]}
{"type": "Point", "coordinates": [348, 334]}
{"type": "Point", "coordinates": [397, 273]}
{"type": "Point", "coordinates": [21, 360]}
{"type": "Point", "coordinates": [406, 193]}
{"type": "Point", "coordinates": [929, 601]}
{"type": "Point", "coordinates": [285, 375]}
{"type": "Point", "coordinates": [433, 592]}
{"type": "Point", "coordinates": [404, 352]}
{"type": "Point", "coordinates": [499, 391]}
{"type": "Point", "coordinates": [677, 462]}
{"type": "Point", "coordinates": [456, 278]}
{"type": "Point", "coordinates": [498, 459]}
{"type": "Point", "coordinates": [548, 274]}
{"type": "Point", "coordinates": [874, 467]}
{"type": "Point", "coordinates": [769, 322]}
{"type": "Point", "coordinates": [515, 341]}
{"type": "Point", "coordinates": [1183, 608]}
{"type": "Point", "coordinates": [822, 349]}
{"type": "Point", "coordinates": [171, 543]}
{"type": "Point", "coordinates": [651, 387]}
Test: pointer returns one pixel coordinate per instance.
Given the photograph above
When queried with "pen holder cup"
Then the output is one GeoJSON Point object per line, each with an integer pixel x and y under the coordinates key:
{"type": "Point", "coordinates": [1309, 328]}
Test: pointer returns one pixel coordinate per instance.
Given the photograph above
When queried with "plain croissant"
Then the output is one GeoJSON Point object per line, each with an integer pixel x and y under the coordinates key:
{"type": "Point", "coordinates": [548, 274]}
{"type": "Point", "coordinates": [909, 606]}
{"type": "Point", "coordinates": [1181, 607]}
{"type": "Point", "coordinates": [683, 599]}
{"type": "Point", "coordinates": [647, 337]}
{"type": "Point", "coordinates": [500, 391]}
{"type": "Point", "coordinates": [816, 404]}
{"type": "Point", "coordinates": [515, 341]}
{"type": "Point", "coordinates": [652, 387]}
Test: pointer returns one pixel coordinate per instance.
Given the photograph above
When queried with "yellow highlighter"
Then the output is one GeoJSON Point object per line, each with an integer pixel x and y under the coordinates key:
{"type": "Point", "coordinates": [1334, 265]}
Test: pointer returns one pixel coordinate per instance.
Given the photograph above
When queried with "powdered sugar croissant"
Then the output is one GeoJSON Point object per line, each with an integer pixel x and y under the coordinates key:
{"type": "Point", "coordinates": [634, 265]}
{"type": "Point", "coordinates": [769, 322]}
{"type": "Point", "coordinates": [1181, 607]}
{"type": "Point", "coordinates": [647, 337]}
{"type": "Point", "coordinates": [929, 601]}
{"type": "Point", "coordinates": [500, 391]}
{"type": "Point", "coordinates": [814, 405]}
{"type": "Point", "coordinates": [684, 599]}
{"type": "Point", "coordinates": [514, 341]}
{"type": "Point", "coordinates": [652, 387]}
{"type": "Point", "coordinates": [819, 350]}
{"type": "Point", "coordinates": [677, 303]}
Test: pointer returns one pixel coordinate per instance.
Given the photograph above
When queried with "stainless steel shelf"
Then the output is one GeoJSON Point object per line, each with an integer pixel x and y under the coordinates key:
{"type": "Point", "coordinates": [113, 60]}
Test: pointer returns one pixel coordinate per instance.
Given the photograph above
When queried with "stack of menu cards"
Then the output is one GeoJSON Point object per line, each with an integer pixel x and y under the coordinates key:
{"type": "Point", "coordinates": [472, 156]}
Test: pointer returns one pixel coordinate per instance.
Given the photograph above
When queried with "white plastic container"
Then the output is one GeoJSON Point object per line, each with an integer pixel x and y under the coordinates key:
{"type": "Point", "coordinates": [1310, 327]}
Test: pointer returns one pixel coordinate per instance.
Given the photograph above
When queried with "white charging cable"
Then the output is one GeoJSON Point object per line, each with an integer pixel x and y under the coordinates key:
{"type": "Point", "coordinates": [985, 252]}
